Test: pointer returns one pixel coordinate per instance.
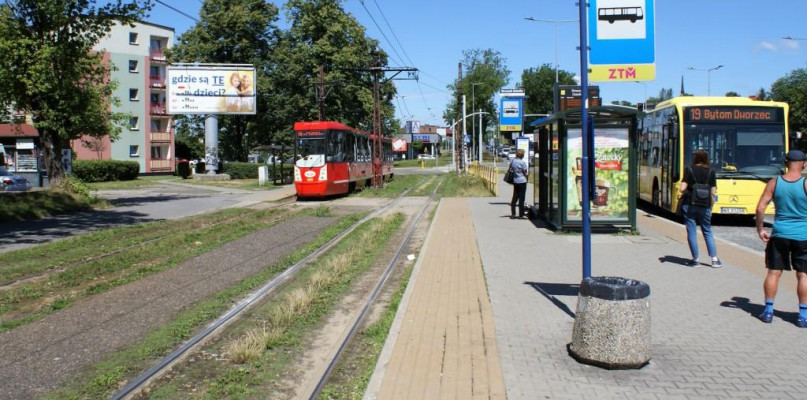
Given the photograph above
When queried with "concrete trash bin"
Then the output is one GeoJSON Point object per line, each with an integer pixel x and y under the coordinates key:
{"type": "Point", "coordinates": [612, 323]}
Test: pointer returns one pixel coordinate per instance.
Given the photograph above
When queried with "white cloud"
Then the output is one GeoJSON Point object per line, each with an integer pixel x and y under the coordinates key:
{"type": "Point", "coordinates": [765, 46]}
{"type": "Point", "coordinates": [791, 44]}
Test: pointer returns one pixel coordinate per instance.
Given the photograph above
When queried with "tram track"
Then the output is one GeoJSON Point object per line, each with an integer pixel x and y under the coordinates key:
{"type": "Point", "coordinates": [369, 301]}
{"type": "Point", "coordinates": [255, 298]}
{"type": "Point", "coordinates": [62, 268]}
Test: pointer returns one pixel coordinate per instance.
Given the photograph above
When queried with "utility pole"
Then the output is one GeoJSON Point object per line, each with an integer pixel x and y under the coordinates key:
{"type": "Point", "coordinates": [459, 139]}
{"type": "Point", "coordinates": [378, 152]}
{"type": "Point", "coordinates": [321, 84]}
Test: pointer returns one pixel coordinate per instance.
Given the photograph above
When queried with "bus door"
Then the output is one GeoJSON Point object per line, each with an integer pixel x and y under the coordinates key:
{"type": "Point", "coordinates": [667, 166]}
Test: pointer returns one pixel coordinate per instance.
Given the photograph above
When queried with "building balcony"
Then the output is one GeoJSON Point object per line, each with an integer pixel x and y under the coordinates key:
{"type": "Point", "coordinates": [156, 55]}
{"type": "Point", "coordinates": [160, 165]}
{"type": "Point", "coordinates": [158, 109]}
{"type": "Point", "coordinates": [157, 136]}
{"type": "Point", "coordinates": [157, 81]}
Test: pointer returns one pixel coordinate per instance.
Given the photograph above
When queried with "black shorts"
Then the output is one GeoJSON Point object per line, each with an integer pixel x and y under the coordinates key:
{"type": "Point", "coordinates": [786, 254]}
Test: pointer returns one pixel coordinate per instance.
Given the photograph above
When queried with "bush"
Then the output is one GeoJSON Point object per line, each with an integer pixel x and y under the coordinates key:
{"type": "Point", "coordinates": [183, 169]}
{"type": "Point", "coordinates": [105, 170]}
{"type": "Point", "coordinates": [241, 170]}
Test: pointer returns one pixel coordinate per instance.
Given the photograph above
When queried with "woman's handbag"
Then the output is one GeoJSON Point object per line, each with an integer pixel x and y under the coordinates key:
{"type": "Point", "coordinates": [508, 176]}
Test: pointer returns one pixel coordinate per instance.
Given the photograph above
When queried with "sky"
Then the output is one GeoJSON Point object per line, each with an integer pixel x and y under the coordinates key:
{"type": "Point", "coordinates": [746, 37]}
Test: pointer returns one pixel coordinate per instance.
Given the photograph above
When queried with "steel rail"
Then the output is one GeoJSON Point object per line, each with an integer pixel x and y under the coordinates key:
{"type": "Point", "coordinates": [370, 300]}
{"type": "Point", "coordinates": [251, 300]}
{"type": "Point", "coordinates": [59, 268]}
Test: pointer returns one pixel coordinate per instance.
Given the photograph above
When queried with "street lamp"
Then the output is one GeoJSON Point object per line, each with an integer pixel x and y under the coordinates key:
{"type": "Point", "coordinates": [708, 76]}
{"type": "Point", "coordinates": [556, 22]}
{"type": "Point", "coordinates": [645, 92]}
{"type": "Point", "coordinates": [473, 107]}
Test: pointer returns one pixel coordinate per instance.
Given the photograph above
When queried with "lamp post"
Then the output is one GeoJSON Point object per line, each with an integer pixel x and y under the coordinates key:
{"type": "Point", "coordinates": [473, 107]}
{"type": "Point", "coordinates": [708, 76]}
{"type": "Point", "coordinates": [556, 22]}
{"type": "Point", "coordinates": [644, 100]}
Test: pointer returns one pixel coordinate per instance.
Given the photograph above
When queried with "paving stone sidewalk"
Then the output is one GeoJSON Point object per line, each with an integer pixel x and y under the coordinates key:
{"type": "Point", "coordinates": [707, 343]}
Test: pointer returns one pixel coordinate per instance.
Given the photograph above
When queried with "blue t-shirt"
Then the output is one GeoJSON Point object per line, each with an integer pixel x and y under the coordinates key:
{"type": "Point", "coordinates": [790, 199]}
{"type": "Point", "coordinates": [520, 170]}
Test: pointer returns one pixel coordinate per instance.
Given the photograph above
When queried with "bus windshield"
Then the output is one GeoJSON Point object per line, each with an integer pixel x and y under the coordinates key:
{"type": "Point", "coordinates": [739, 151]}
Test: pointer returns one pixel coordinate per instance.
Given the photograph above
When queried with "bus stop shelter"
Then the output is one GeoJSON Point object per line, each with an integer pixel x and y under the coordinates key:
{"type": "Point", "coordinates": [558, 191]}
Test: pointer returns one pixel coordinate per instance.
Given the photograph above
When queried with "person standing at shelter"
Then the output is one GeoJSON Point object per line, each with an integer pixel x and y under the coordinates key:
{"type": "Point", "coordinates": [786, 246]}
{"type": "Point", "coordinates": [696, 212]}
{"type": "Point", "coordinates": [520, 174]}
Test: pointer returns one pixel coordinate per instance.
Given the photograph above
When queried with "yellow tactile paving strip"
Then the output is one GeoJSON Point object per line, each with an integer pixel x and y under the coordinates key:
{"type": "Point", "coordinates": [446, 348]}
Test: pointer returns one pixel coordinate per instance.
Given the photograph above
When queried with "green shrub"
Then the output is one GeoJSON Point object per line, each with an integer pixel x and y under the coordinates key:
{"type": "Point", "coordinates": [183, 169]}
{"type": "Point", "coordinates": [105, 170]}
{"type": "Point", "coordinates": [241, 170]}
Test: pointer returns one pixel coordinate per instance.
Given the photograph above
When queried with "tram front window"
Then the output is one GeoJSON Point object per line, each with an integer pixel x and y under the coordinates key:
{"type": "Point", "coordinates": [310, 149]}
{"type": "Point", "coordinates": [739, 150]}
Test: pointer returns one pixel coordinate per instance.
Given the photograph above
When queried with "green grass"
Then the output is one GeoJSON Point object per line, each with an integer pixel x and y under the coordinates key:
{"type": "Point", "coordinates": [106, 376]}
{"type": "Point", "coordinates": [140, 182]}
{"type": "Point", "coordinates": [395, 187]}
{"type": "Point", "coordinates": [178, 241]}
{"type": "Point", "coordinates": [21, 206]}
{"type": "Point", "coordinates": [355, 369]}
{"type": "Point", "coordinates": [463, 185]}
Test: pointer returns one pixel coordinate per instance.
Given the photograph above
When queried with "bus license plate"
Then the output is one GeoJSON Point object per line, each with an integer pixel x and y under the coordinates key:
{"type": "Point", "coordinates": [732, 210]}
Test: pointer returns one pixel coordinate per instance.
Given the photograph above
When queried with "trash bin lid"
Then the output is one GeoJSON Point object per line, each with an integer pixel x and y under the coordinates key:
{"type": "Point", "coordinates": [614, 288]}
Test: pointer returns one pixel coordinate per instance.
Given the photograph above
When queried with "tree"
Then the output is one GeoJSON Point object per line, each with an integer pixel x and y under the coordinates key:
{"type": "Point", "coordinates": [323, 35]}
{"type": "Point", "coordinates": [488, 69]}
{"type": "Point", "coordinates": [792, 89]}
{"type": "Point", "coordinates": [732, 94]}
{"type": "Point", "coordinates": [762, 95]}
{"type": "Point", "coordinates": [49, 71]}
{"type": "Point", "coordinates": [539, 84]}
{"type": "Point", "coordinates": [664, 94]}
{"type": "Point", "coordinates": [235, 32]}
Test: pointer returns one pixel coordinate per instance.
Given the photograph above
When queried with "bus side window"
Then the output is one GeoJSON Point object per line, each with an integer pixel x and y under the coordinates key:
{"type": "Point", "coordinates": [350, 147]}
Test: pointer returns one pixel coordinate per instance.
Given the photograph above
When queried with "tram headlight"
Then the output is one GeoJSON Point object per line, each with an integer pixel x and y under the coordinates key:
{"type": "Point", "coordinates": [297, 176]}
{"type": "Point", "coordinates": [323, 173]}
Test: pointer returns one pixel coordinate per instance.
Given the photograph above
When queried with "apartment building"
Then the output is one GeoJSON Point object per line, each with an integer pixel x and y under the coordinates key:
{"type": "Point", "coordinates": [137, 53]}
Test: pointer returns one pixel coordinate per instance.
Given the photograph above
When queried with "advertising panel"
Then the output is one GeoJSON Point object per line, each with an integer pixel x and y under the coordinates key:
{"type": "Point", "coordinates": [611, 150]}
{"type": "Point", "coordinates": [523, 143]}
{"type": "Point", "coordinates": [622, 38]}
{"type": "Point", "coordinates": [399, 145]}
{"type": "Point", "coordinates": [211, 89]}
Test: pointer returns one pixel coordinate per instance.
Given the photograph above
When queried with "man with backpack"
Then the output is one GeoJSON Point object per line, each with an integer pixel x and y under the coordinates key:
{"type": "Point", "coordinates": [786, 246]}
{"type": "Point", "coordinates": [698, 190]}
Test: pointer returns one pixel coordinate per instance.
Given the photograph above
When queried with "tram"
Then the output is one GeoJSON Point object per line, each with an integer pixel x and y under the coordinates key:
{"type": "Point", "coordinates": [332, 159]}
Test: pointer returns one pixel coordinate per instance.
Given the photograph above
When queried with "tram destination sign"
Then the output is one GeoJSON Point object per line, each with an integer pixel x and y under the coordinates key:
{"type": "Point", "coordinates": [733, 114]}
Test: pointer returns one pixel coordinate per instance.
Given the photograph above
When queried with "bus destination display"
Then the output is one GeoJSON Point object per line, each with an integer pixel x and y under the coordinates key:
{"type": "Point", "coordinates": [733, 114]}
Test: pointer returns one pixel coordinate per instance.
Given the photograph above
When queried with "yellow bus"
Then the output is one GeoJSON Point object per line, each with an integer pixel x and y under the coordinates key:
{"type": "Point", "coordinates": [746, 141]}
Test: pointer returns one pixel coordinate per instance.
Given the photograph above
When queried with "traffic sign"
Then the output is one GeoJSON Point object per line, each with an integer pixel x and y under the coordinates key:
{"type": "Point", "coordinates": [622, 40]}
{"type": "Point", "coordinates": [511, 114]}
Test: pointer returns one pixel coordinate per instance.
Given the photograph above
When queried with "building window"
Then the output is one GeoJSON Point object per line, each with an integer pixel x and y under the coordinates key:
{"type": "Point", "coordinates": [134, 95]}
{"type": "Point", "coordinates": [132, 65]}
{"type": "Point", "coordinates": [134, 151]}
{"type": "Point", "coordinates": [133, 123]}
{"type": "Point", "coordinates": [132, 37]}
{"type": "Point", "coordinates": [156, 153]}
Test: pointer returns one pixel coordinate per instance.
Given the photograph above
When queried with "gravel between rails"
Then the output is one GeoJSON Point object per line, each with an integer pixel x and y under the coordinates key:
{"type": "Point", "coordinates": [41, 356]}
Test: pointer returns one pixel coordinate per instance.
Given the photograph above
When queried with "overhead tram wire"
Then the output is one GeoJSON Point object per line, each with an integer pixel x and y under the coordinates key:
{"type": "Point", "coordinates": [179, 11]}
{"type": "Point", "coordinates": [383, 34]}
{"type": "Point", "coordinates": [393, 32]}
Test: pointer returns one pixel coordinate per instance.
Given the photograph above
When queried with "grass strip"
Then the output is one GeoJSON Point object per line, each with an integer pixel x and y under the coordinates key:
{"type": "Point", "coordinates": [353, 373]}
{"type": "Point", "coordinates": [19, 306]}
{"type": "Point", "coordinates": [298, 311]}
{"type": "Point", "coordinates": [106, 376]}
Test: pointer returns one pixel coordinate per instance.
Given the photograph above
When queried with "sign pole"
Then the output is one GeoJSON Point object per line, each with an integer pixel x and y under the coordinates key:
{"type": "Point", "coordinates": [211, 144]}
{"type": "Point", "coordinates": [583, 4]}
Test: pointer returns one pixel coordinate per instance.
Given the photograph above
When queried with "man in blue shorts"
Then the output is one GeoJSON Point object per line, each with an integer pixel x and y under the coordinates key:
{"type": "Point", "coordinates": [786, 247]}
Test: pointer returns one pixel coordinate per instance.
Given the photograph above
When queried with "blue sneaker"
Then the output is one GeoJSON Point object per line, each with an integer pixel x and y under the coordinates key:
{"type": "Point", "coordinates": [801, 322]}
{"type": "Point", "coordinates": [766, 317]}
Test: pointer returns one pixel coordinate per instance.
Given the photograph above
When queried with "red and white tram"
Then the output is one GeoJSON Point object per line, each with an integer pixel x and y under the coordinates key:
{"type": "Point", "coordinates": [332, 158]}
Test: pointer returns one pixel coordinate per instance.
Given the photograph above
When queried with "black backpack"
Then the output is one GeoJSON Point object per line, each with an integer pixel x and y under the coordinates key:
{"type": "Point", "coordinates": [701, 193]}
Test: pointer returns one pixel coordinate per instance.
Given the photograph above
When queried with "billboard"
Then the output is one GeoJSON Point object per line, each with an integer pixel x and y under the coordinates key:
{"type": "Point", "coordinates": [218, 89]}
{"type": "Point", "coordinates": [622, 37]}
{"type": "Point", "coordinates": [399, 145]}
